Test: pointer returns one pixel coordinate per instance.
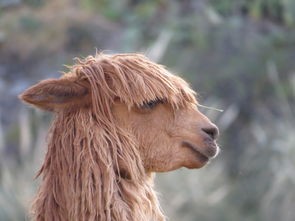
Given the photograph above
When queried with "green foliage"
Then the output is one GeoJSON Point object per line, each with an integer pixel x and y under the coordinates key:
{"type": "Point", "coordinates": [110, 9]}
{"type": "Point", "coordinates": [275, 10]}
{"type": "Point", "coordinates": [223, 7]}
{"type": "Point", "coordinates": [35, 3]}
{"type": "Point", "coordinates": [29, 23]}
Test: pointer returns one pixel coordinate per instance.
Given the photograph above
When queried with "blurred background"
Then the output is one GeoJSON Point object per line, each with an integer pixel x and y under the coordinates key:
{"type": "Point", "coordinates": [238, 54]}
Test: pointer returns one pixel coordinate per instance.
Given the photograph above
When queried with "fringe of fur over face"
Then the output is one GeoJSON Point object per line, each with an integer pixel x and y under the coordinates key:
{"type": "Point", "coordinates": [81, 177]}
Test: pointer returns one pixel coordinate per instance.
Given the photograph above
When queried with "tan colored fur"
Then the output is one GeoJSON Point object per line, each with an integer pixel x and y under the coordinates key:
{"type": "Point", "coordinates": [105, 142]}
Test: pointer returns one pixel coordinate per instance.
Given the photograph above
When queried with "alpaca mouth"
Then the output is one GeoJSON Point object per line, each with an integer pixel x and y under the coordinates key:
{"type": "Point", "coordinates": [205, 154]}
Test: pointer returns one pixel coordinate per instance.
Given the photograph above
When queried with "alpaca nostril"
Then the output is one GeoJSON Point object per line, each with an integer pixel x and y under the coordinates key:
{"type": "Point", "coordinates": [211, 131]}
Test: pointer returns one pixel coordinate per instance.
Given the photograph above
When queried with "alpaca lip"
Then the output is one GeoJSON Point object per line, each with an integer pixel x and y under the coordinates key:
{"type": "Point", "coordinates": [206, 155]}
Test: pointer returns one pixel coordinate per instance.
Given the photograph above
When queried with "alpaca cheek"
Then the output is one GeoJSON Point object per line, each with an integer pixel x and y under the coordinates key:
{"type": "Point", "coordinates": [162, 156]}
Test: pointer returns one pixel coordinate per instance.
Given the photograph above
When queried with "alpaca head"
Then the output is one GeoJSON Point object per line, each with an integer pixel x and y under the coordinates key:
{"type": "Point", "coordinates": [117, 119]}
{"type": "Point", "coordinates": [157, 110]}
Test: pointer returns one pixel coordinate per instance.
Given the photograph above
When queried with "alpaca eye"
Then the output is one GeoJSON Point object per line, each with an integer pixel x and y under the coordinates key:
{"type": "Point", "coordinates": [151, 104]}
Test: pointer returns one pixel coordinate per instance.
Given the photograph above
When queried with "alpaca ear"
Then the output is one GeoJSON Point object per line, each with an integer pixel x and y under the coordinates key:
{"type": "Point", "coordinates": [55, 94]}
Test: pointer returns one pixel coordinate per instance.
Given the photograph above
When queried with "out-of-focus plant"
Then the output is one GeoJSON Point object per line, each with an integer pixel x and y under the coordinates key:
{"type": "Point", "coordinates": [17, 184]}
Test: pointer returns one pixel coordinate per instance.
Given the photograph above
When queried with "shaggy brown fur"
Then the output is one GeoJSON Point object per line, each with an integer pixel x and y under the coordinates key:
{"type": "Point", "coordinates": [118, 118]}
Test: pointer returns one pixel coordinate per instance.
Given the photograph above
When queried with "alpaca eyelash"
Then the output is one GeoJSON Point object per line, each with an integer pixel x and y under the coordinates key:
{"type": "Point", "coordinates": [151, 104]}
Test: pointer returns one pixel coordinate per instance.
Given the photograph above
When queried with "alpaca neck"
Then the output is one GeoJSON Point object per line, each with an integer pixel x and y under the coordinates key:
{"type": "Point", "coordinates": [79, 179]}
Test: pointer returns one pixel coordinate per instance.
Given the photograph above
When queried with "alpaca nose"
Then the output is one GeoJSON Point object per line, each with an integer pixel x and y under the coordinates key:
{"type": "Point", "coordinates": [211, 131]}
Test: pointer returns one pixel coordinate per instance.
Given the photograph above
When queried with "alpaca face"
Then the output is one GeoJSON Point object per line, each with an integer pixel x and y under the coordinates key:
{"type": "Point", "coordinates": [169, 139]}
{"type": "Point", "coordinates": [157, 109]}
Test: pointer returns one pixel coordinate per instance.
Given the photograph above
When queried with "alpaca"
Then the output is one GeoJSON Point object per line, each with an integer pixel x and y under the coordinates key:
{"type": "Point", "coordinates": [118, 119]}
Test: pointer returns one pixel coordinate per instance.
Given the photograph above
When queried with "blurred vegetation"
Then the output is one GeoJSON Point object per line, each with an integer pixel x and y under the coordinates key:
{"type": "Point", "coordinates": [238, 54]}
